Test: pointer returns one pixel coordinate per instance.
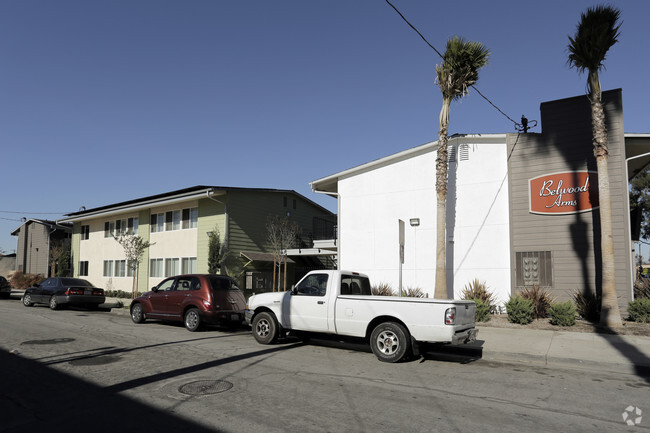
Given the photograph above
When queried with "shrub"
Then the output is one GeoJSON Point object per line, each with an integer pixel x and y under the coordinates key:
{"type": "Point", "coordinates": [482, 311]}
{"type": "Point", "coordinates": [520, 310]}
{"type": "Point", "coordinates": [562, 313]}
{"type": "Point", "coordinates": [642, 288]}
{"type": "Point", "coordinates": [414, 293]}
{"type": "Point", "coordinates": [541, 299]}
{"type": "Point", "coordinates": [479, 290]}
{"type": "Point", "coordinates": [382, 289]}
{"type": "Point", "coordinates": [22, 281]}
{"type": "Point", "coordinates": [121, 294]}
{"type": "Point", "coordinates": [587, 305]}
{"type": "Point", "coordinates": [639, 310]}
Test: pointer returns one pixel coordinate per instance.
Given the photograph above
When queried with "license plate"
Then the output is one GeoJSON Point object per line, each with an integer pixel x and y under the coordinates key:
{"type": "Point", "coordinates": [235, 317]}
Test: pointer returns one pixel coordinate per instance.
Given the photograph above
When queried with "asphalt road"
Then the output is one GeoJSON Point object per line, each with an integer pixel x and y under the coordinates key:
{"type": "Point", "coordinates": [74, 370]}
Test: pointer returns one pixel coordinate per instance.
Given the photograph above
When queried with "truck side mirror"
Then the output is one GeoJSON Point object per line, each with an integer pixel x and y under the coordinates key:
{"type": "Point", "coordinates": [294, 291]}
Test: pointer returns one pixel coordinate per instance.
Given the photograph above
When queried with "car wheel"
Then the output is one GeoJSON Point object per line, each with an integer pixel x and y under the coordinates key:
{"type": "Point", "coordinates": [27, 300]}
{"type": "Point", "coordinates": [137, 315]}
{"type": "Point", "coordinates": [265, 328]}
{"type": "Point", "coordinates": [390, 342]}
{"type": "Point", "coordinates": [192, 320]}
{"type": "Point", "coordinates": [53, 304]}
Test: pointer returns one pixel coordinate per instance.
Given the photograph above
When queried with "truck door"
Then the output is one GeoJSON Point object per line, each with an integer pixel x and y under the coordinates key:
{"type": "Point", "coordinates": [308, 304]}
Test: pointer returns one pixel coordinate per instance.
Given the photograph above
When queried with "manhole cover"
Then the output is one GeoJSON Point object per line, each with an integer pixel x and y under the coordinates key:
{"type": "Point", "coordinates": [52, 341]}
{"type": "Point", "coordinates": [205, 387]}
{"type": "Point", "coordinates": [95, 360]}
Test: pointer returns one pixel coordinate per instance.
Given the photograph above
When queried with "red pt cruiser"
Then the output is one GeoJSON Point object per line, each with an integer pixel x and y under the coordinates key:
{"type": "Point", "coordinates": [195, 300]}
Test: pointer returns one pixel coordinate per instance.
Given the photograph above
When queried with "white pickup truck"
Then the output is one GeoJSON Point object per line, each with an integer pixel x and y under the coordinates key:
{"type": "Point", "coordinates": [341, 303]}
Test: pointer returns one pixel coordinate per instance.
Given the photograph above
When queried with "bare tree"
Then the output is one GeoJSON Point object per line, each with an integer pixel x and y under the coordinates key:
{"type": "Point", "coordinates": [282, 234]}
{"type": "Point", "coordinates": [134, 248]}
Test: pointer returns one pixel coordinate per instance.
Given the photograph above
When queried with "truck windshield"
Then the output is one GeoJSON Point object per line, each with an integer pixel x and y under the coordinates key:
{"type": "Point", "coordinates": [355, 285]}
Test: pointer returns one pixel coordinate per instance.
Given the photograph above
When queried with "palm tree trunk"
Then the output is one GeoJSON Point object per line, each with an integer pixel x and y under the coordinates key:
{"type": "Point", "coordinates": [610, 315]}
{"type": "Point", "coordinates": [440, 290]}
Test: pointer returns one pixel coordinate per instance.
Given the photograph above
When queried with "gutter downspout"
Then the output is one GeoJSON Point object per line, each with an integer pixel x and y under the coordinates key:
{"type": "Point", "coordinates": [337, 241]}
{"type": "Point", "coordinates": [225, 213]}
{"type": "Point", "coordinates": [629, 228]}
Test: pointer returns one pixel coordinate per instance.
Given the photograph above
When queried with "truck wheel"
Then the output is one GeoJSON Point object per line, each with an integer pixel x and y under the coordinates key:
{"type": "Point", "coordinates": [265, 328]}
{"type": "Point", "coordinates": [390, 342]}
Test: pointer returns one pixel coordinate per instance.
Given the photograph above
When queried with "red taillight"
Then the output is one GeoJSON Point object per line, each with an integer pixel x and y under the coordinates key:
{"type": "Point", "coordinates": [74, 291]}
{"type": "Point", "coordinates": [450, 316]}
{"type": "Point", "coordinates": [98, 292]}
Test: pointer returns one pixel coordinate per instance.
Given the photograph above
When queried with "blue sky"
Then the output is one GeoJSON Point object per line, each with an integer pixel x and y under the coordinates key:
{"type": "Point", "coordinates": [106, 101]}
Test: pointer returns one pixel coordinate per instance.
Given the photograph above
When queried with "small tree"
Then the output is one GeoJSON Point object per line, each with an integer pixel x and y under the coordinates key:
{"type": "Point", "coordinates": [59, 258]}
{"type": "Point", "coordinates": [282, 234]}
{"type": "Point", "coordinates": [134, 248]}
{"type": "Point", "coordinates": [217, 252]}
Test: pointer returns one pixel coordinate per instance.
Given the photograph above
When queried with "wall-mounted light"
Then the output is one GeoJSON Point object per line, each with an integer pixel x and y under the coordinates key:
{"type": "Point", "coordinates": [414, 222]}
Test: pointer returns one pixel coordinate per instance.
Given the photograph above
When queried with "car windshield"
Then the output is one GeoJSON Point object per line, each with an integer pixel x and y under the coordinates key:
{"type": "Point", "coordinates": [76, 282]}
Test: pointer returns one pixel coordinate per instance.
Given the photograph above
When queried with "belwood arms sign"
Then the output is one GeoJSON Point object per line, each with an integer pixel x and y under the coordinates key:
{"type": "Point", "coordinates": [563, 193]}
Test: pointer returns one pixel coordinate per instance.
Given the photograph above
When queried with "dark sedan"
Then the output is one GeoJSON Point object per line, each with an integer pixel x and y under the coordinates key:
{"type": "Point", "coordinates": [63, 291]}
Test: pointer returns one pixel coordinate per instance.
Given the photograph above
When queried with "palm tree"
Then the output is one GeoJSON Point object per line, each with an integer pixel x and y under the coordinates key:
{"type": "Point", "coordinates": [597, 31]}
{"type": "Point", "coordinates": [457, 72]}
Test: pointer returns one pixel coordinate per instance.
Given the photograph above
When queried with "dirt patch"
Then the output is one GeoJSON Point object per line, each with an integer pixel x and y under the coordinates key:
{"type": "Point", "coordinates": [628, 328]}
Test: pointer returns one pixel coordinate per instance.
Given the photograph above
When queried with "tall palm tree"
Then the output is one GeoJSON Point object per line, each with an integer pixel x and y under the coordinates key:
{"type": "Point", "coordinates": [457, 72]}
{"type": "Point", "coordinates": [597, 32]}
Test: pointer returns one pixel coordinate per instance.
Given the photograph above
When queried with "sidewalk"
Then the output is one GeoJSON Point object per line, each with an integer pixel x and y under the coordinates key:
{"type": "Point", "coordinates": [603, 352]}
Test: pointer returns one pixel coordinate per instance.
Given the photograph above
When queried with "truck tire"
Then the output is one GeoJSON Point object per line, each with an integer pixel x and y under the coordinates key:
{"type": "Point", "coordinates": [390, 342]}
{"type": "Point", "coordinates": [265, 328]}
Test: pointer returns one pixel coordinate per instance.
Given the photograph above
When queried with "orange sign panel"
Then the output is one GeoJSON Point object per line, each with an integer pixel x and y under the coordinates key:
{"type": "Point", "coordinates": [563, 193]}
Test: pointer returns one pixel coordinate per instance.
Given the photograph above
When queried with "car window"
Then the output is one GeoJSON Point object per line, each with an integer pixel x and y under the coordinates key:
{"type": "Point", "coordinates": [166, 285]}
{"type": "Point", "coordinates": [48, 283]}
{"type": "Point", "coordinates": [187, 283]}
{"type": "Point", "coordinates": [75, 282]}
{"type": "Point", "coordinates": [355, 285]}
{"type": "Point", "coordinates": [313, 285]}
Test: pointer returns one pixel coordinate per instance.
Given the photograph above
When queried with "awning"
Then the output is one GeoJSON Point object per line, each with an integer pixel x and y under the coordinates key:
{"type": "Point", "coordinates": [254, 256]}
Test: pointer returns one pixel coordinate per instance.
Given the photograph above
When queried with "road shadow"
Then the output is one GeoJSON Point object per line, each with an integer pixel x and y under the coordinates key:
{"type": "Point", "coordinates": [465, 354]}
{"type": "Point", "coordinates": [638, 359]}
{"type": "Point", "coordinates": [35, 398]}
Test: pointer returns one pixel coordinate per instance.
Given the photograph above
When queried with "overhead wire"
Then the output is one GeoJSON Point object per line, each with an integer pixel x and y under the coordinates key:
{"type": "Point", "coordinates": [518, 126]}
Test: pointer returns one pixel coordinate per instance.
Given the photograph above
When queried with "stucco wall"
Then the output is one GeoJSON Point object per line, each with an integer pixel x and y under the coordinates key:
{"type": "Point", "coordinates": [373, 200]}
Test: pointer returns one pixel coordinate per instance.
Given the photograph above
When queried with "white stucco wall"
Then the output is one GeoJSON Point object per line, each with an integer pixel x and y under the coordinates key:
{"type": "Point", "coordinates": [372, 200]}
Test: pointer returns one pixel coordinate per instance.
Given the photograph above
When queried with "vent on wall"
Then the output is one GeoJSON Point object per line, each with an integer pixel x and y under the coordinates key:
{"type": "Point", "coordinates": [451, 153]}
{"type": "Point", "coordinates": [464, 152]}
{"type": "Point", "coordinates": [534, 268]}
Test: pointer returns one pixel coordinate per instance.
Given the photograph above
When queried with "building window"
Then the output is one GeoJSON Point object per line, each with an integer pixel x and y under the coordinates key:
{"type": "Point", "coordinates": [120, 268]}
{"type": "Point", "coordinates": [120, 227]}
{"type": "Point", "coordinates": [109, 229]}
{"type": "Point", "coordinates": [132, 226]}
{"type": "Point", "coordinates": [85, 232]}
{"type": "Point", "coordinates": [534, 268]}
{"type": "Point", "coordinates": [157, 222]}
{"type": "Point", "coordinates": [176, 221]}
{"type": "Point", "coordinates": [188, 265]}
{"type": "Point", "coordinates": [190, 218]}
{"type": "Point", "coordinates": [108, 268]}
{"type": "Point", "coordinates": [171, 267]}
{"type": "Point", "coordinates": [156, 268]}
{"type": "Point", "coordinates": [83, 269]}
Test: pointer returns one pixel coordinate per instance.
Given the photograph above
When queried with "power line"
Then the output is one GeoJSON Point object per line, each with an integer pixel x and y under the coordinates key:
{"type": "Point", "coordinates": [32, 213]}
{"type": "Point", "coordinates": [520, 127]}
